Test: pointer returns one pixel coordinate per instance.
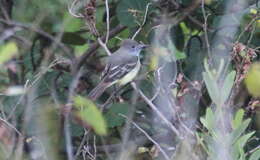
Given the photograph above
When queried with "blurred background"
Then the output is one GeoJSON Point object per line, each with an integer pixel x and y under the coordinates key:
{"type": "Point", "coordinates": [196, 96]}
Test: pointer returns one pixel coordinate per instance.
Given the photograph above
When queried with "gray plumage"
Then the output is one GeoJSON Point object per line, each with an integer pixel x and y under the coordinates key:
{"type": "Point", "coordinates": [119, 65]}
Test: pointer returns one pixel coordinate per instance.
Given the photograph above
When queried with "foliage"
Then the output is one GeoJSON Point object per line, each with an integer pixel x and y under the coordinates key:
{"type": "Point", "coordinates": [195, 97]}
{"type": "Point", "coordinates": [236, 138]}
{"type": "Point", "coordinates": [89, 113]}
{"type": "Point", "coordinates": [7, 51]}
{"type": "Point", "coordinates": [251, 80]}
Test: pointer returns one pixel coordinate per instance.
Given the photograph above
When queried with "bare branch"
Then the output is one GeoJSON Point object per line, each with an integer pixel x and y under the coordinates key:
{"type": "Point", "coordinates": [148, 136]}
{"type": "Point", "coordinates": [81, 144]}
{"type": "Point", "coordinates": [205, 27]}
{"type": "Point", "coordinates": [144, 20]}
{"type": "Point", "coordinates": [154, 108]}
{"type": "Point", "coordinates": [80, 61]}
{"type": "Point", "coordinates": [67, 132]}
{"type": "Point", "coordinates": [104, 46]}
{"type": "Point", "coordinates": [8, 33]}
{"type": "Point", "coordinates": [11, 126]}
{"type": "Point", "coordinates": [107, 19]}
{"type": "Point", "coordinates": [39, 31]}
{"type": "Point", "coordinates": [70, 8]}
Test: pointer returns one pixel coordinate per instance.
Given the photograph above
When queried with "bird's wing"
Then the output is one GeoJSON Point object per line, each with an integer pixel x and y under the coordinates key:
{"type": "Point", "coordinates": [116, 71]}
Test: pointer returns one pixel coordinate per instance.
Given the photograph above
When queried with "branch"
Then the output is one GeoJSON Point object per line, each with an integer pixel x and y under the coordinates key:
{"type": "Point", "coordinates": [8, 33]}
{"type": "Point", "coordinates": [154, 108]}
{"type": "Point", "coordinates": [107, 19]}
{"type": "Point", "coordinates": [144, 20]}
{"type": "Point", "coordinates": [39, 31]}
{"type": "Point", "coordinates": [70, 8]}
{"type": "Point", "coordinates": [67, 128]}
{"type": "Point", "coordinates": [103, 45]}
{"type": "Point", "coordinates": [11, 126]}
{"type": "Point", "coordinates": [81, 60]}
{"type": "Point", "coordinates": [185, 12]}
{"type": "Point", "coordinates": [205, 28]}
{"type": "Point", "coordinates": [148, 136]}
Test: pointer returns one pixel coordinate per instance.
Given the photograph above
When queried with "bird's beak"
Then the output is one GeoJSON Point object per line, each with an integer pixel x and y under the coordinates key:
{"type": "Point", "coordinates": [143, 46]}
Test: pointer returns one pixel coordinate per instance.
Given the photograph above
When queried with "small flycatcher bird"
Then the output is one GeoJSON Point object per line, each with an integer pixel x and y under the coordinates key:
{"type": "Point", "coordinates": [122, 67]}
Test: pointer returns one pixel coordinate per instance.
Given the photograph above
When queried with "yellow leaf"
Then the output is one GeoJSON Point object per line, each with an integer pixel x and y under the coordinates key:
{"type": "Point", "coordinates": [153, 62]}
{"type": "Point", "coordinates": [253, 11]}
{"type": "Point", "coordinates": [7, 51]}
{"type": "Point", "coordinates": [252, 80]}
{"type": "Point", "coordinates": [89, 113]}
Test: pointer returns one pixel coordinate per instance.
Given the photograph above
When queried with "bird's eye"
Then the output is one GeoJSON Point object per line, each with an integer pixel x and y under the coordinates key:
{"type": "Point", "coordinates": [133, 46]}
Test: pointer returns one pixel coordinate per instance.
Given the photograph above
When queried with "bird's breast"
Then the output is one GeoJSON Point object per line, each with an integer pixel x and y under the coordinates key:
{"type": "Point", "coordinates": [131, 75]}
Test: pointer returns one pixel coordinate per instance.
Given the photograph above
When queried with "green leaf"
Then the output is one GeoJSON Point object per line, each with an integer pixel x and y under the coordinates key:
{"type": "Point", "coordinates": [238, 118]}
{"type": "Point", "coordinates": [79, 50]}
{"type": "Point", "coordinates": [177, 36]}
{"type": "Point", "coordinates": [7, 51]}
{"type": "Point", "coordinates": [209, 119]}
{"type": "Point", "coordinates": [255, 155]}
{"type": "Point", "coordinates": [194, 66]}
{"type": "Point", "coordinates": [112, 116]}
{"type": "Point", "coordinates": [70, 23]}
{"type": "Point", "coordinates": [239, 145]}
{"type": "Point", "coordinates": [89, 113]}
{"type": "Point", "coordinates": [72, 38]}
{"type": "Point", "coordinates": [131, 12]}
{"type": "Point", "coordinates": [239, 131]}
{"type": "Point", "coordinates": [243, 139]}
{"type": "Point", "coordinates": [211, 87]}
{"type": "Point", "coordinates": [209, 141]}
{"type": "Point", "coordinates": [180, 55]}
{"type": "Point", "coordinates": [228, 84]}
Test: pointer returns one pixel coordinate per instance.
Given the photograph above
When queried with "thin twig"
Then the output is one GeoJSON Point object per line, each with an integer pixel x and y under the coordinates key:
{"type": "Point", "coordinates": [8, 33]}
{"type": "Point", "coordinates": [185, 12]}
{"type": "Point", "coordinates": [95, 147]}
{"type": "Point", "coordinates": [11, 126]}
{"type": "Point", "coordinates": [11, 114]}
{"type": "Point", "coordinates": [112, 95]}
{"type": "Point", "coordinates": [144, 20]}
{"type": "Point", "coordinates": [253, 150]}
{"type": "Point", "coordinates": [158, 89]}
{"type": "Point", "coordinates": [70, 8]}
{"type": "Point", "coordinates": [198, 23]}
{"type": "Point", "coordinates": [81, 60]}
{"type": "Point", "coordinates": [103, 45]}
{"type": "Point", "coordinates": [107, 19]}
{"type": "Point", "coordinates": [147, 135]}
{"type": "Point", "coordinates": [39, 31]}
{"type": "Point", "coordinates": [86, 149]}
{"type": "Point", "coordinates": [205, 27]}
{"type": "Point", "coordinates": [67, 133]}
{"type": "Point", "coordinates": [81, 144]}
{"type": "Point", "coordinates": [246, 28]}
{"type": "Point", "coordinates": [155, 109]}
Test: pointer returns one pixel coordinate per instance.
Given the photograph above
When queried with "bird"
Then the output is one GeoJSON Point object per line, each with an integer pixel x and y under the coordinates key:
{"type": "Point", "coordinates": [121, 68]}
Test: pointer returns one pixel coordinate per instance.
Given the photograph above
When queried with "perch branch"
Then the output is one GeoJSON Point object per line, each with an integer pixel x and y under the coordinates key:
{"type": "Point", "coordinates": [144, 20]}
{"type": "Point", "coordinates": [154, 108]}
{"type": "Point", "coordinates": [107, 19]}
{"type": "Point", "coordinates": [80, 61]}
{"type": "Point", "coordinates": [148, 136]}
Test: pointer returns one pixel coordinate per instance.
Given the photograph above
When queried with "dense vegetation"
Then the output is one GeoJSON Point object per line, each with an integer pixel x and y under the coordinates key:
{"type": "Point", "coordinates": [196, 96]}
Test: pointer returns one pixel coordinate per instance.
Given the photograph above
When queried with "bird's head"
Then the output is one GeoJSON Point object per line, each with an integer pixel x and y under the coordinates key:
{"type": "Point", "coordinates": [132, 46]}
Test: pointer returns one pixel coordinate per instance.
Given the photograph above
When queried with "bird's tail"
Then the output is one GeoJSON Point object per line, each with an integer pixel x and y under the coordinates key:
{"type": "Point", "coordinates": [98, 90]}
